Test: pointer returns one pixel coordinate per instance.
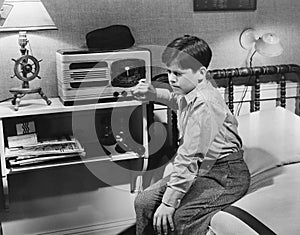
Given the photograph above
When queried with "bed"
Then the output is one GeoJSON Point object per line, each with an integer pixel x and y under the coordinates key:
{"type": "Point", "coordinates": [272, 153]}
{"type": "Point", "coordinates": [271, 140]}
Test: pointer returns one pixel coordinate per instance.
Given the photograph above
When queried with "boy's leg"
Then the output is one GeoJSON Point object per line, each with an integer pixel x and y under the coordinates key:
{"type": "Point", "coordinates": [224, 184]}
{"type": "Point", "coordinates": [145, 205]}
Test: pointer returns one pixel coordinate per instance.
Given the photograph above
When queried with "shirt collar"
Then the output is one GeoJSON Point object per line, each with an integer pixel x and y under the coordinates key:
{"type": "Point", "coordinates": [194, 93]}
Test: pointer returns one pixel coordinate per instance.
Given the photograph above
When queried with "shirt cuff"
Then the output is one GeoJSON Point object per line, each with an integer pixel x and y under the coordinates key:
{"type": "Point", "coordinates": [172, 197]}
{"type": "Point", "coordinates": [162, 94]}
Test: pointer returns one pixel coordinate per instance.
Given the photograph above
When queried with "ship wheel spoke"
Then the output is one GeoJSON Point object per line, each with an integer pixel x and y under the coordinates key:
{"type": "Point", "coordinates": [25, 66]}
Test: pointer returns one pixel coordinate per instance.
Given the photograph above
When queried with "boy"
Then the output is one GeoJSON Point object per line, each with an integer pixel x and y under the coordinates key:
{"type": "Point", "coordinates": [209, 172]}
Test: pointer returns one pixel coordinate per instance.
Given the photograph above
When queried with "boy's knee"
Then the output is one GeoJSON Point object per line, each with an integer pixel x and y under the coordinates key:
{"type": "Point", "coordinates": [139, 201]}
{"type": "Point", "coordinates": [178, 218]}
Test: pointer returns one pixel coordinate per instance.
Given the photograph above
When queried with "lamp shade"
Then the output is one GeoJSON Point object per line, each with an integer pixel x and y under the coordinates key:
{"type": "Point", "coordinates": [247, 38]}
{"type": "Point", "coordinates": [24, 15]}
{"type": "Point", "coordinates": [268, 45]}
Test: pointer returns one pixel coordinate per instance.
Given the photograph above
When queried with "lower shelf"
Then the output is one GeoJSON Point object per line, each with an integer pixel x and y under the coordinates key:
{"type": "Point", "coordinates": [119, 157]}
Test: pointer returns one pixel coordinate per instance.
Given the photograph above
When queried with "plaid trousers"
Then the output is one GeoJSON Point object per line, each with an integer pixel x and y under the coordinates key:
{"type": "Point", "coordinates": [227, 181]}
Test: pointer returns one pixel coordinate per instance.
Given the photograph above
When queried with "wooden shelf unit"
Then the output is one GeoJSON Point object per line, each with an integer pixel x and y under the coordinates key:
{"type": "Point", "coordinates": [57, 119]}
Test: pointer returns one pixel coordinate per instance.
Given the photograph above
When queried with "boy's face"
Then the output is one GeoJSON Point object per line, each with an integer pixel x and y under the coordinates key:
{"type": "Point", "coordinates": [184, 80]}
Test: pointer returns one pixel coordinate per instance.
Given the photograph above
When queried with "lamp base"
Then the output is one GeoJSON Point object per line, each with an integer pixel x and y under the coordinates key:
{"type": "Point", "coordinates": [21, 92]}
{"type": "Point", "coordinates": [247, 38]}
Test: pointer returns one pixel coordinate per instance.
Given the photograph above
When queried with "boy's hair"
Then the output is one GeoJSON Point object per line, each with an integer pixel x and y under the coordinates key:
{"type": "Point", "coordinates": [188, 52]}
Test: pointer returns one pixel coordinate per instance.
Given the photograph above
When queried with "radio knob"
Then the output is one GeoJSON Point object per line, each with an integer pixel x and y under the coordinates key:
{"type": "Point", "coordinates": [124, 93]}
{"type": "Point", "coordinates": [116, 94]}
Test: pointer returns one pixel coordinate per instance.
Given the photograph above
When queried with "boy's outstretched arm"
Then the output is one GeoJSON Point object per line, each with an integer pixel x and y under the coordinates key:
{"type": "Point", "coordinates": [146, 91]}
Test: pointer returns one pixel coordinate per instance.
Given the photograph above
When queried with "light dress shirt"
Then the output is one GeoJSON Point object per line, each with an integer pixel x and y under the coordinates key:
{"type": "Point", "coordinates": [207, 130]}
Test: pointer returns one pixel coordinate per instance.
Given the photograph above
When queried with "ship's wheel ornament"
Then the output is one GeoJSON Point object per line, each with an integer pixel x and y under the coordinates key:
{"type": "Point", "coordinates": [26, 68]}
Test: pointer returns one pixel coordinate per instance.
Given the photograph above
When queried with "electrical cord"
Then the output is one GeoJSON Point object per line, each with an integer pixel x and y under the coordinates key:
{"type": "Point", "coordinates": [10, 98]}
{"type": "Point", "coordinates": [1, 101]}
{"type": "Point", "coordinates": [242, 100]}
{"type": "Point", "coordinates": [246, 86]}
{"type": "Point", "coordinates": [30, 49]}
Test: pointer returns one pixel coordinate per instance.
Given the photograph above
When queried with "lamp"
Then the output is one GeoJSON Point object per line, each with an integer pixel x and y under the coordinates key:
{"type": "Point", "coordinates": [268, 45]}
{"type": "Point", "coordinates": [22, 16]}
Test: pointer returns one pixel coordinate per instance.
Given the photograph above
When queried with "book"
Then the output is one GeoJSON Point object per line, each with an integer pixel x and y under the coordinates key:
{"type": "Point", "coordinates": [21, 140]}
{"type": "Point", "coordinates": [41, 159]}
{"type": "Point", "coordinates": [44, 150]}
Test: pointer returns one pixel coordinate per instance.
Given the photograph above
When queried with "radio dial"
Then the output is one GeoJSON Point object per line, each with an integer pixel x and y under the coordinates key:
{"type": "Point", "coordinates": [116, 94]}
{"type": "Point", "coordinates": [124, 93]}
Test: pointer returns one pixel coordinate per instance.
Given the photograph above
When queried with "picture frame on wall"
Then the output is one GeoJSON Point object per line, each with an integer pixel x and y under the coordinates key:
{"type": "Point", "coordinates": [225, 5]}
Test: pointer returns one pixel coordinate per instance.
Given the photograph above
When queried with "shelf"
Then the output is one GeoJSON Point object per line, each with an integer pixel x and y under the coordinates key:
{"type": "Point", "coordinates": [115, 158]}
{"type": "Point", "coordinates": [57, 119]}
{"type": "Point", "coordinates": [38, 106]}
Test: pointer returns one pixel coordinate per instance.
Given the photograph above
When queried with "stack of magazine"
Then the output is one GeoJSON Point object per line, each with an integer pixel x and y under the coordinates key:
{"type": "Point", "coordinates": [49, 150]}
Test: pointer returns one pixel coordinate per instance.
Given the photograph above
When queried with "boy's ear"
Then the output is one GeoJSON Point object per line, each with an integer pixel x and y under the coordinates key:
{"type": "Point", "coordinates": [203, 71]}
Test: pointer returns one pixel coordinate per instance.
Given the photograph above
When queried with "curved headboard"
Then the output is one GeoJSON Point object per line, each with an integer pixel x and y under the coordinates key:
{"type": "Point", "coordinates": [254, 76]}
{"type": "Point", "coordinates": [258, 70]}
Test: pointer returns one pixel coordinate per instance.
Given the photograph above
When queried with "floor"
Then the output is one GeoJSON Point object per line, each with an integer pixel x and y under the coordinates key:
{"type": "Point", "coordinates": [67, 201]}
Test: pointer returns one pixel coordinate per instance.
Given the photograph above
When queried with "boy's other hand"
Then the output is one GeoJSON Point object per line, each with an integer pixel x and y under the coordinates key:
{"type": "Point", "coordinates": [163, 217]}
{"type": "Point", "coordinates": [144, 91]}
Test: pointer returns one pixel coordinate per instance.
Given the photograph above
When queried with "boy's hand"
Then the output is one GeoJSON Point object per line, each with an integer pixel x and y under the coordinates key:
{"type": "Point", "coordinates": [143, 91]}
{"type": "Point", "coordinates": [162, 217]}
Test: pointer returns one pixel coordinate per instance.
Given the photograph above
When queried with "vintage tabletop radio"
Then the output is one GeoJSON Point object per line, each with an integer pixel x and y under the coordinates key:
{"type": "Point", "coordinates": [88, 76]}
